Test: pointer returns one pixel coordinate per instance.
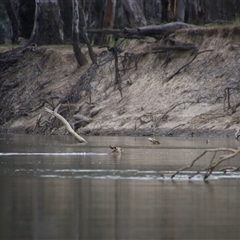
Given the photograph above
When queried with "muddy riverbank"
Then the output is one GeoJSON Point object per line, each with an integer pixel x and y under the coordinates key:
{"type": "Point", "coordinates": [166, 92]}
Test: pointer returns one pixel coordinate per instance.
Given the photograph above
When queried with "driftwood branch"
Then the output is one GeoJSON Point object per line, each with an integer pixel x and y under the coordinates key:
{"type": "Point", "coordinates": [213, 164]}
{"type": "Point", "coordinates": [65, 122]}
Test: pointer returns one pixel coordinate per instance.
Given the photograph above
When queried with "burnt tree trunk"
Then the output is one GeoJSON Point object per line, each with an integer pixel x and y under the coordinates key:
{"type": "Point", "coordinates": [12, 8]}
{"type": "Point", "coordinates": [26, 17]}
{"type": "Point", "coordinates": [50, 29]}
{"type": "Point", "coordinates": [75, 34]}
{"type": "Point", "coordinates": [66, 13]}
{"type": "Point", "coordinates": [164, 10]}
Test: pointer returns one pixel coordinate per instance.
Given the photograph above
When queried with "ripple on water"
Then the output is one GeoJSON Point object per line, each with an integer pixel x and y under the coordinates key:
{"type": "Point", "coordinates": [129, 174]}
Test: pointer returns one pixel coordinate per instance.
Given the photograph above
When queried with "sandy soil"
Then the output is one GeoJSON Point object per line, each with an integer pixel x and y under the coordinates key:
{"type": "Point", "coordinates": [193, 102]}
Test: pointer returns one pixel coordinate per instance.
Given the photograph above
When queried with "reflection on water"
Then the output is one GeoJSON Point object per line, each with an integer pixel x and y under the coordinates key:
{"type": "Point", "coordinates": [64, 190]}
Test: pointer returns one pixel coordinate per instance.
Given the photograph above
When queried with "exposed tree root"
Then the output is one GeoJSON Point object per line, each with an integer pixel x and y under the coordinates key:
{"type": "Point", "coordinates": [185, 65]}
{"type": "Point", "coordinates": [213, 164]}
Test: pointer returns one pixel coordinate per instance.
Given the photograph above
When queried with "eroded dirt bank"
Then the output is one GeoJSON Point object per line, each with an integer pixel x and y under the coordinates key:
{"type": "Point", "coordinates": [159, 95]}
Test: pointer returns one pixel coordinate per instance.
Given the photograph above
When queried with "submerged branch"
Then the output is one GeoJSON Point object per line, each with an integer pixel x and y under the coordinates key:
{"type": "Point", "coordinates": [213, 164]}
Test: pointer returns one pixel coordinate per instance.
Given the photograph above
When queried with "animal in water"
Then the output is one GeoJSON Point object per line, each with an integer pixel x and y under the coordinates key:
{"type": "Point", "coordinates": [116, 150]}
{"type": "Point", "coordinates": [153, 141]}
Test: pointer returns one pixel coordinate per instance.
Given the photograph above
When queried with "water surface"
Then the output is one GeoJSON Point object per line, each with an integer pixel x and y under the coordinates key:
{"type": "Point", "coordinates": [54, 188]}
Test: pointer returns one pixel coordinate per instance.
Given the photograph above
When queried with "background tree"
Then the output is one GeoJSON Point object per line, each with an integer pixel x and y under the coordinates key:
{"type": "Point", "coordinates": [75, 34]}
{"type": "Point", "coordinates": [134, 13]}
{"type": "Point", "coordinates": [3, 20]}
{"type": "Point", "coordinates": [50, 22]}
{"type": "Point", "coordinates": [55, 16]}
{"type": "Point", "coordinates": [108, 18]}
{"type": "Point", "coordinates": [50, 26]}
{"type": "Point", "coordinates": [66, 14]}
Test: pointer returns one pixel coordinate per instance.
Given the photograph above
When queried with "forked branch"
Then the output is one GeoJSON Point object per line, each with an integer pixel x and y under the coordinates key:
{"type": "Point", "coordinates": [213, 164]}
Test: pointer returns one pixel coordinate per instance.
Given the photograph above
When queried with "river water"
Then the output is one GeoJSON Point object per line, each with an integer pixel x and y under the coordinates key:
{"type": "Point", "coordinates": [54, 188]}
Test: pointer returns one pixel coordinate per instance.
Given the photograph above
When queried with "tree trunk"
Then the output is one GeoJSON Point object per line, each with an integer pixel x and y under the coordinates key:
{"type": "Point", "coordinates": [192, 11]}
{"type": "Point", "coordinates": [26, 17]}
{"type": "Point", "coordinates": [133, 13]}
{"type": "Point", "coordinates": [153, 11]}
{"type": "Point", "coordinates": [83, 33]}
{"type": "Point", "coordinates": [12, 8]}
{"type": "Point", "coordinates": [34, 34]}
{"type": "Point", "coordinates": [48, 28]}
{"type": "Point", "coordinates": [108, 19]}
{"type": "Point", "coordinates": [50, 23]}
{"type": "Point", "coordinates": [66, 13]}
{"type": "Point", "coordinates": [181, 8]}
{"type": "Point", "coordinates": [164, 10]}
{"type": "Point", "coordinates": [75, 35]}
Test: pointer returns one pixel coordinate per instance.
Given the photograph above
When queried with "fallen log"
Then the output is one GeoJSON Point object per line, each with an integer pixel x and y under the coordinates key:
{"type": "Point", "coordinates": [164, 29]}
{"type": "Point", "coordinates": [150, 30]}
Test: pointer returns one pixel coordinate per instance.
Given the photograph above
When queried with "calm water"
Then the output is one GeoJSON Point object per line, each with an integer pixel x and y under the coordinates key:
{"type": "Point", "coordinates": [55, 188]}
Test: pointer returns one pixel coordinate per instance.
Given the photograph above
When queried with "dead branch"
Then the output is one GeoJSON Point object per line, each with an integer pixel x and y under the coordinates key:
{"type": "Point", "coordinates": [185, 47]}
{"type": "Point", "coordinates": [149, 116]}
{"type": "Point", "coordinates": [65, 122]}
{"type": "Point", "coordinates": [213, 164]}
{"type": "Point", "coordinates": [150, 30]}
{"type": "Point", "coordinates": [143, 121]}
{"type": "Point", "coordinates": [169, 132]}
{"type": "Point", "coordinates": [174, 106]}
{"type": "Point", "coordinates": [229, 169]}
{"type": "Point", "coordinates": [185, 65]}
{"type": "Point", "coordinates": [115, 50]}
